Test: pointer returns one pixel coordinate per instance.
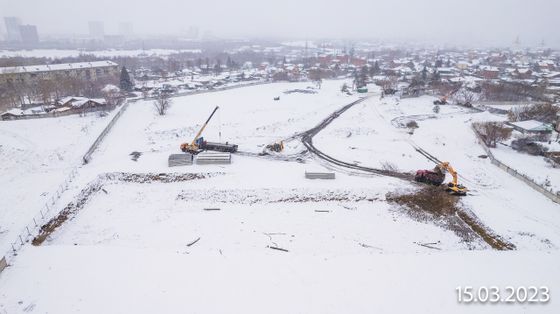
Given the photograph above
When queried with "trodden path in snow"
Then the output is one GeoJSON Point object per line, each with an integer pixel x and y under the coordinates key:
{"type": "Point", "coordinates": [307, 139]}
{"type": "Point", "coordinates": [467, 217]}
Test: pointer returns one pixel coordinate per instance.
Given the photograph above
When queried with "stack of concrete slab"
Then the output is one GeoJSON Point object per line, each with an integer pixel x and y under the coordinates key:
{"type": "Point", "coordinates": [209, 157]}
{"type": "Point", "coordinates": [184, 159]}
{"type": "Point", "coordinates": [320, 175]}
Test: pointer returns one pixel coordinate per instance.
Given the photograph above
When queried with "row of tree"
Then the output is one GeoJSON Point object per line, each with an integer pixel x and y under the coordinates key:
{"type": "Point", "coordinates": [47, 90]}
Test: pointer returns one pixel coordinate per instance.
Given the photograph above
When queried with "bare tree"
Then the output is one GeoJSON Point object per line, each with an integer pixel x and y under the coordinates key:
{"type": "Point", "coordinates": [464, 96]}
{"type": "Point", "coordinates": [145, 93]}
{"type": "Point", "coordinates": [47, 90]}
{"type": "Point", "coordinates": [111, 93]}
{"type": "Point", "coordinates": [492, 132]}
{"type": "Point", "coordinates": [162, 103]}
{"type": "Point", "coordinates": [542, 112]}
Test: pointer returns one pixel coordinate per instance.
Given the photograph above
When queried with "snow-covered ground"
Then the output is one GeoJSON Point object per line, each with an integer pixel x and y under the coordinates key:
{"type": "Point", "coordinates": [367, 135]}
{"type": "Point", "coordinates": [249, 117]}
{"type": "Point", "coordinates": [36, 156]}
{"type": "Point", "coordinates": [152, 247]}
{"type": "Point", "coordinates": [534, 167]}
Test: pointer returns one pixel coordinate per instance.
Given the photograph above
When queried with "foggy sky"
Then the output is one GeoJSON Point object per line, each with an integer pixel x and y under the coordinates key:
{"type": "Point", "coordinates": [441, 21]}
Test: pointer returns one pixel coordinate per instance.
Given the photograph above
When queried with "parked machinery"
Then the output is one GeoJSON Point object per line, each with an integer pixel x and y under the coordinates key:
{"type": "Point", "coordinates": [198, 144]}
{"type": "Point", "coordinates": [276, 147]}
{"type": "Point", "coordinates": [441, 101]}
{"type": "Point", "coordinates": [437, 176]}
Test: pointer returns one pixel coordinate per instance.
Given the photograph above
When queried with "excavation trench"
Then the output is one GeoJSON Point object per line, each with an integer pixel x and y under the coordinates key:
{"type": "Point", "coordinates": [72, 208]}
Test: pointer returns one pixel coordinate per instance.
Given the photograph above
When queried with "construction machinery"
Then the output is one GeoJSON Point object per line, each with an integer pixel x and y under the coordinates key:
{"type": "Point", "coordinates": [437, 176]}
{"type": "Point", "coordinates": [198, 144]}
{"type": "Point", "coordinates": [276, 147]}
{"type": "Point", "coordinates": [441, 101]}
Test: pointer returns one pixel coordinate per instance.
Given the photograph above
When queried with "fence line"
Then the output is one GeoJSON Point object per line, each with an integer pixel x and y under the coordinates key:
{"type": "Point", "coordinates": [42, 217]}
{"type": "Point", "coordinates": [87, 157]}
{"type": "Point", "coordinates": [37, 221]}
{"type": "Point", "coordinates": [527, 180]}
{"type": "Point", "coordinates": [217, 89]}
{"type": "Point", "coordinates": [93, 147]}
{"type": "Point", "coordinates": [54, 114]}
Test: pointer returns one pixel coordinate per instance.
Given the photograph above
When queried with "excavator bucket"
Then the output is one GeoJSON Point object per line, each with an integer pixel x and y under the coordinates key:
{"type": "Point", "coordinates": [456, 189]}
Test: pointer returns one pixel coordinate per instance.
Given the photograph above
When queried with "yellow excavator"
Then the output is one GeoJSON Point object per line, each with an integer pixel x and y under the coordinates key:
{"type": "Point", "coordinates": [198, 144]}
{"type": "Point", "coordinates": [276, 147]}
{"type": "Point", "coordinates": [437, 176]}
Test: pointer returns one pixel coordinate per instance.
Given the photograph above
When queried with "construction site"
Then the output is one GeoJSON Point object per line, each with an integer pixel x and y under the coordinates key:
{"type": "Point", "coordinates": [278, 189]}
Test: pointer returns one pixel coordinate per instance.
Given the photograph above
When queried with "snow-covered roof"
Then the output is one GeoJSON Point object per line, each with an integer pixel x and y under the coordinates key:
{"type": "Point", "coordinates": [532, 125]}
{"type": "Point", "coordinates": [110, 88]}
{"type": "Point", "coordinates": [489, 68]}
{"type": "Point", "coordinates": [14, 111]}
{"type": "Point", "coordinates": [61, 109]}
{"type": "Point", "coordinates": [56, 67]}
{"type": "Point", "coordinates": [78, 102]}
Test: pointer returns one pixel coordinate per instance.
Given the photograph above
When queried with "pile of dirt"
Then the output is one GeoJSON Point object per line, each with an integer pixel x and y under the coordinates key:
{"type": "Point", "coordinates": [157, 177]}
{"type": "Point", "coordinates": [69, 211]}
{"type": "Point", "coordinates": [429, 199]}
{"type": "Point", "coordinates": [432, 203]}
{"type": "Point", "coordinates": [301, 91]}
{"type": "Point", "coordinates": [265, 196]}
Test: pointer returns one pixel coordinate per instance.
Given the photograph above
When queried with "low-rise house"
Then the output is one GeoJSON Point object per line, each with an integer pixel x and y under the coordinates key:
{"type": "Point", "coordinates": [67, 105]}
{"type": "Point", "coordinates": [523, 73]}
{"type": "Point", "coordinates": [12, 114]}
{"type": "Point", "coordinates": [446, 72]}
{"type": "Point", "coordinates": [489, 72]}
{"type": "Point", "coordinates": [81, 103]}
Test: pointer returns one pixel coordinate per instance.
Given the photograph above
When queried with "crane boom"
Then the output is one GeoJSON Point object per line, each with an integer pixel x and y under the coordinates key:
{"type": "Point", "coordinates": [193, 146]}
{"type": "Point", "coordinates": [204, 126]}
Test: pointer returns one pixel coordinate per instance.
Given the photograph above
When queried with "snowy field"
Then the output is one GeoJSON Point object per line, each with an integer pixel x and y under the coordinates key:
{"type": "Point", "coordinates": [534, 167]}
{"type": "Point", "coordinates": [257, 237]}
{"type": "Point", "coordinates": [368, 136]}
{"type": "Point", "coordinates": [35, 158]}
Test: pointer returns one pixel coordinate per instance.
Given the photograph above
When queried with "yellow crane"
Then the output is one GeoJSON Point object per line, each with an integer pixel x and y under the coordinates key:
{"type": "Point", "coordinates": [195, 146]}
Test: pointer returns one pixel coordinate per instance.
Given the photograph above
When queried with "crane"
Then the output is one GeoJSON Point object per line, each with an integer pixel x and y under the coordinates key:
{"type": "Point", "coordinates": [195, 146]}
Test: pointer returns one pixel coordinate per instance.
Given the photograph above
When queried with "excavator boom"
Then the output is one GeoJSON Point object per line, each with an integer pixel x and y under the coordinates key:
{"type": "Point", "coordinates": [437, 176]}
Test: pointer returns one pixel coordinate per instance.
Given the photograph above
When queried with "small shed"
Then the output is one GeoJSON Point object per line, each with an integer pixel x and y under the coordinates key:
{"type": "Point", "coordinates": [532, 127]}
{"type": "Point", "coordinates": [12, 114]}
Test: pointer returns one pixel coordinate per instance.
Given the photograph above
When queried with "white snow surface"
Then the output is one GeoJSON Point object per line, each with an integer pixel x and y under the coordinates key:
{"type": "Point", "coordinates": [133, 247]}
{"type": "Point", "coordinates": [35, 158]}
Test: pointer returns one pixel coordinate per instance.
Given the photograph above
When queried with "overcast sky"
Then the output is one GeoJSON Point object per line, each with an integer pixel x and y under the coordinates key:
{"type": "Point", "coordinates": [440, 21]}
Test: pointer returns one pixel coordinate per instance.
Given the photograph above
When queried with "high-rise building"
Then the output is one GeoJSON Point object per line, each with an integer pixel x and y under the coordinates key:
{"type": "Point", "coordinates": [28, 34]}
{"type": "Point", "coordinates": [126, 29]}
{"type": "Point", "coordinates": [12, 28]}
{"type": "Point", "coordinates": [96, 30]}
